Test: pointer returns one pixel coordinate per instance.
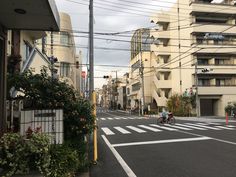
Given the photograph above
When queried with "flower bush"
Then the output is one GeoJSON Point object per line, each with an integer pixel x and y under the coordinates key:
{"type": "Point", "coordinates": [40, 91]}
{"type": "Point", "coordinates": [22, 154]}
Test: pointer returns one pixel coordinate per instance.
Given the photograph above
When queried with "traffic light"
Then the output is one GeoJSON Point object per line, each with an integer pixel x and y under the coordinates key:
{"type": "Point", "coordinates": [105, 77]}
{"type": "Point", "coordinates": [77, 65]}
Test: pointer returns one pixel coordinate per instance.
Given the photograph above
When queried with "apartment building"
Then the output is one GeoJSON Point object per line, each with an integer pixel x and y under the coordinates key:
{"type": "Point", "coordinates": [63, 48]}
{"type": "Point", "coordinates": [140, 80]}
{"type": "Point", "coordinates": [194, 35]}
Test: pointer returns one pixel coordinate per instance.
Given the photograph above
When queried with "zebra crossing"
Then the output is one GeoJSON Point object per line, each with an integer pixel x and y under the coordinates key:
{"type": "Point", "coordinates": [166, 127]}
{"type": "Point", "coordinates": [119, 118]}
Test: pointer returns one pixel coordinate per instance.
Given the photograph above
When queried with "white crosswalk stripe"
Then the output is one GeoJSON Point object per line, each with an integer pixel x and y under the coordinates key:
{"type": "Point", "coordinates": [117, 118]}
{"type": "Point", "coordinates": [163, 127]}
{"type": "Point", "coordinates": [160, 128]}
{"type": "Point", "coordinates": [203, 126]}
{"type": "Point", "coordinates": [231, 126]}
{"type": "Point", "coordinates": [107, 131]}
{"type": "Point", "coordinates": [110, 118]}
{"type": "Point", "coordinates": [103, 119]}
{"type": "Point", "coordinates": [178, 127]}
{"type": "Point", "coordinates": [136, 129]}
{"type": "Point", "coordinates": [193, 127]}
{"type": "Point", "coordinates": [122, 130]}
{"type": "Point", "coordinates": [150, 128]}
{"type": "Point", "coordinates": [226, 128]}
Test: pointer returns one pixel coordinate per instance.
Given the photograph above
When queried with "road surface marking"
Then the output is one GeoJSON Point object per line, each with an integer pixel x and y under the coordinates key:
{"type": "Point", "coordinates": [193, 127]}
{"type": "Point", "coordinates": [124, 165]}
{"type": "Point", "coordinates": [130, 118]}
{"type": "Point", "coordinates": [231, 126]}
{"type": "Point", "coordinates": [107, 131]}
{"type": "Point", "coordinates": [103, 118]}
{"type": "Point", "coordinates": [162, 127]}
{"type": "Point", "coordinates": [136, 129]}
{"type": "Point", "coordinates": [178, 127]}
{"type": "Point", "coordinates": [117, 118]}
{"type": "Point", "coordinates": [124, 118]}
{"type": "Point", "coordinates": [216, 139]}
{"type": "Point", "coordinates": [122, 130]}
{"type": "Point", "coordinates": [203, 126]}
{"type": "Point", "coordinates": [150, 128]}
{"type": "Point", "coordinates": [163, 141]}
{"type": "Point", "coordinates": [110, 118]}
{"type": "Point", "coordinates": [226, 128]}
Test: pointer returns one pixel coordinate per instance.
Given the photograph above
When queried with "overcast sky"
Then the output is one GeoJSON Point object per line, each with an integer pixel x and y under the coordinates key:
{"type": "Point", "coordinates": [110, 16]}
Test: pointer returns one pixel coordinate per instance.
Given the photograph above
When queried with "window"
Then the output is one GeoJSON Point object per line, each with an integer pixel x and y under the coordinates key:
{"type": "Point", "coordinates": [64, 38]}
{"type": "Point", "coordinates": [64, 69]}
{"type": "Point", "coordinates": [204, 82]}
{"type": "Point", "coordinates": [136, 87]}
{"type": "Point", "coordinates": [223, 82]}
{"type": "Point", "coordinates": [202, 62]}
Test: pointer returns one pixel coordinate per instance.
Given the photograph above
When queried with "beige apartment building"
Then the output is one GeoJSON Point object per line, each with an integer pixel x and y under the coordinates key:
{"type": "Point", "coordinates": [194, 35]}
{"type": "Point", "coordinates": [199, 36]}
{"type": "Point", "coordinates": [69, 64]}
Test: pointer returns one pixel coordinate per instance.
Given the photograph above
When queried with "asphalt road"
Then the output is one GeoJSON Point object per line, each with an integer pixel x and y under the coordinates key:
{"type": "Point", "coordinates": [134, 146]}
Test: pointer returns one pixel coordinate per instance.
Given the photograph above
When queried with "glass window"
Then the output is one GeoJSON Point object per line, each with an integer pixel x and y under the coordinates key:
{"type": "Point", "coordinates": [64, 69]}
{"type": "Point", "coordinates": [64, 38]}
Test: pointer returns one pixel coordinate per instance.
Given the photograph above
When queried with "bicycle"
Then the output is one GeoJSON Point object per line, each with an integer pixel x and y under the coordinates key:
{"type": "Point", "coordinates": [169, 120]}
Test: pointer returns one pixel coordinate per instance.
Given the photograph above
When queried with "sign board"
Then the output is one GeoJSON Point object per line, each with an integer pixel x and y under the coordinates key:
{"type": "Point", "coordinates": [83, 74]}
{"type": "Point", "coordinates": [48, 121]}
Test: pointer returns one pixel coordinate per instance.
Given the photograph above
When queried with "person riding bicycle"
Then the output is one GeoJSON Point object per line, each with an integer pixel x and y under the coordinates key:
{"type": "Point", "coordinates": [164, 115]}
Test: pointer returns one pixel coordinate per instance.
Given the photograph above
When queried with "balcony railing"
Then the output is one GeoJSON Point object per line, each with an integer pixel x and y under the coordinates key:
{"type": "Point", "coordinates": [229, 2]}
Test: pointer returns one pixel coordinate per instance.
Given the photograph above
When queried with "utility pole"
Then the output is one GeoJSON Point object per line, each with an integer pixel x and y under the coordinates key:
{"type": "Point", "coordinates": [92, 94]}
{"type": "Point", "coordinates": [91, 51]}
{"type": "Point", "coordinates": [196, 87]}
{"type": "Point", "coordinates": [141, 73]}
{"type": "Point", "coordinates": [179, 49]}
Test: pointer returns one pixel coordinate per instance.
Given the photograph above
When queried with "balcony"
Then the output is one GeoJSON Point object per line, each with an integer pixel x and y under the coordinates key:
{"type": "Point", "coordinates": [160, 50]}
{"type": "Point", "coordinates": [212, 28]}
{"type": "Point", "coordinates": [161, 18]}
{"type": "Point", "coordinates": [216, 90]}
{"type": "Point", "coordinates": [208, 7]}
{"type": "Point", "coordinates": [224, 2]}
{"type": "Point", "coordinates": [161, 34]}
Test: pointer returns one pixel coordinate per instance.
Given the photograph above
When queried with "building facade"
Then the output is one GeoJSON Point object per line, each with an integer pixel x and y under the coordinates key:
{"type": "Point", "coordinates": [63, 48]}
{"type": "Point", "coordinates": [192, 39]}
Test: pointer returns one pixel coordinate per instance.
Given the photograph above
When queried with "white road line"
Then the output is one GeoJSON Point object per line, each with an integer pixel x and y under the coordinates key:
{"type": "Point", "coordinates": [117, 118]}
{"type": "Point", "coordinates": [122, 130]}
{"type": "Point", "coordinates": [231, 126]}
{"type": "Point", "coordinates": [107, 131]}
{"type": "Point", "coordinates": [193, 127]}
{"type": "Point", "coordinates": [226, 128]}
{"type": "Point", "coordinates": [124, 165]}
{"type": "Point", "coordinates": [162, 127]}
{"type": "Point", "coordinates": [110, 118]}
{"type": "Point", "coordinates": [130, 118]}
{"type": "Point", "coordinates": [163, 141]}
{"type": "Point", "coordinates": [103, 118]}
{"type": "Point", "coordinates": [136, 129]}
{"type": "Point", "coordinates": [124, 118]}
{"type": "Point", "coordinates": [178, 127]}
{"type": "Point", "coordinates": [203, 126]}
{"type": "Point", "coordinates": [150, 128]}
{"type": "Point", "coordinates": [96, 118]}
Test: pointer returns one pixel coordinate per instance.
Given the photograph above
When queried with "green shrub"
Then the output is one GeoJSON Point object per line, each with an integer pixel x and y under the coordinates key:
{"type": "Point", "coordinates": [19, 154]}
{"type": "Point", "coordinates": [65, 161]}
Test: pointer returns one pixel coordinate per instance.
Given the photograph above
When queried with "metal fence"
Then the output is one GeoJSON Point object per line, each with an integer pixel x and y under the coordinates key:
{"type": "Point", "coordinates": [47, 121]}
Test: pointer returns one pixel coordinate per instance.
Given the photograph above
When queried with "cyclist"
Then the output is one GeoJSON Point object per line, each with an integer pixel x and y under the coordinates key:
{"type": "Point", "coordinates": [164, 115]}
